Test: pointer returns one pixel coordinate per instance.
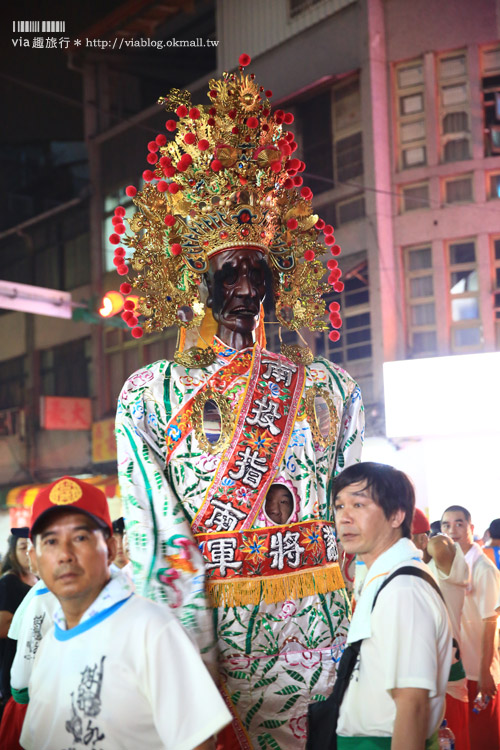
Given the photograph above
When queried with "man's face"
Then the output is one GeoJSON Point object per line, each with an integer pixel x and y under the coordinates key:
{"type": "Point", "coordinates": [22, 546]}
{"type": "Point", "coordinates": [121, 558]}
{"type": "Point", "coordinates": [455, 525]}
{"type": "Point", "coordinates": [237, 281]}
{"type": "Point", "coordinates": [361, 524]}
{"type": "Point", "coordinates": [279, 504]}
{"type": "Point", "coordinates": [73, 557]}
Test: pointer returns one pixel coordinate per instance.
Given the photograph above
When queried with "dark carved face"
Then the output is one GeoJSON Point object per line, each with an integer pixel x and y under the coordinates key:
{"type": "Point", "coordinates": [237, 281]}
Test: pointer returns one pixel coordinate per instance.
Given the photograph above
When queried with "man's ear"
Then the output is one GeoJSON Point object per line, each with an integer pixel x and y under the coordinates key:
{"type": "Point", "coordinates": [32, 558]}
{"type": "Point", "coordinates": [111, 545]}
{"type": "Point", "coordinates": [397, 518]}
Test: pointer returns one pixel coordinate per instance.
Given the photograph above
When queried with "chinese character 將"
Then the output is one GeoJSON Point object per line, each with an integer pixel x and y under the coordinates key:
{"type": "Point", "coordinates": [264, 414]}
{"type": "Point", "coordinates": [251, 467]}
{"type": "Point", "coordinates": [278, 371]}
{"type": "Point", "coordinates": [225, 517]}
{"type": "Point", "coordinates": [330, 544]}
{"type": "Point", "coordinates": [223, 553]}
{"type": "Point", "coordinates": [285, 546]}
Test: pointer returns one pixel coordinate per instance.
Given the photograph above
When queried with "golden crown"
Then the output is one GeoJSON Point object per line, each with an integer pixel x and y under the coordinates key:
{"type": "Point", "coordinates": [226, 179]}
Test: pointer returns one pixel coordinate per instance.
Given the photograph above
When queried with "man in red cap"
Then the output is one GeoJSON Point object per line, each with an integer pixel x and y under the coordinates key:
{"type": "Point", "coordinates": [115, 668]}
{"type": "Point", "coordinates": [447, 563]}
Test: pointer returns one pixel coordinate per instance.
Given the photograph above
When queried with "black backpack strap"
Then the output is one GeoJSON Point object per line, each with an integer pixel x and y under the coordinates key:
{"type": "Point", "coordinates": [409, 570]}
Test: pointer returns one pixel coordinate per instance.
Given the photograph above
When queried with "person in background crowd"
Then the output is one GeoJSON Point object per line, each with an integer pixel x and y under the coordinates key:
{"type": "Point", "coordinates": [15, 582]}
{"type": "Point", "coordinates": [435, 528]}
{"type": "Point", "coordinates": [447, 563]}
{"type": "Point", "coordinates": [478, 631]}
{"type": "Point", "coordinates": [121, 560]}
{"type": "Point", "coordinates": [115, 669]}
{"type": "Point", "coordinates": [395, 696]}
{"type": "Point", "coordinates": [492, 548]}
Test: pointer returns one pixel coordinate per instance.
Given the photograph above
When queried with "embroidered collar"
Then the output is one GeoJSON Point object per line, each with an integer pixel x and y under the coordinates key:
{"type": "Point", "coordinates": [118, 589]}
{"type": "Point", "coordinates": [224, 351]}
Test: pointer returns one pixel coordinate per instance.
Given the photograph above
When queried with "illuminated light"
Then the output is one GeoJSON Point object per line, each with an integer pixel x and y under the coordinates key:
{"type": "Point", "coordinates": [112, 303]}
{"type": "Point", "coordinates": [437, 396]}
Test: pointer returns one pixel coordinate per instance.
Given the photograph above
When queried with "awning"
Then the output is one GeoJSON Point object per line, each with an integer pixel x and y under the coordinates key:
{"type": "Point", "coordinates": [24, 495]}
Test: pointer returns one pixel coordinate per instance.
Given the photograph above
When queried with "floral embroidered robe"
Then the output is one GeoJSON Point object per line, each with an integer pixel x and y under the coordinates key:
{"type": "Point", "coordinates": [275, 651]}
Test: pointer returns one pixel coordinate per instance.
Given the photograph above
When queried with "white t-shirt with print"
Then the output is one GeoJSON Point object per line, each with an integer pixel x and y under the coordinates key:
{"type": "Point", "coordinates": [126, 678]}
{"type": "Point", "coordinates": [453, 587]}
{"type": "Point", "coordinates": [480, 603]}
{"type": "Point", "coordinates": [410, 647]}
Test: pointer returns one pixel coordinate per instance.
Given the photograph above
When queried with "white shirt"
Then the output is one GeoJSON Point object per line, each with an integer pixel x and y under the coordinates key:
{"type": "Point", "coordinates": [453, 587]}
{"type": "Point", "coordinates": [409, 646]}
{"type": "Point", "coordinates": [480, 603]}
{"type": "Point", "coordinates": [127, 677]}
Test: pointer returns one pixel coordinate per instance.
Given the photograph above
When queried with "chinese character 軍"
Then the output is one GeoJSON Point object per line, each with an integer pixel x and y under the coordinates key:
{"type": "Point", "coordinates": [285, 546]}
{"type": "Point", "coordinates": [223, 553]}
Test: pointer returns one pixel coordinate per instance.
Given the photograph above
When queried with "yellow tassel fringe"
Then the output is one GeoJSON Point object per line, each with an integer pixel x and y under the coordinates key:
{"type": "Point", "coordinates": [237, 592]}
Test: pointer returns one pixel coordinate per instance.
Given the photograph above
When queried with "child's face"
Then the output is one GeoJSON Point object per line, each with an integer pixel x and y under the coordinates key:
{"type": "Point", "coordinates": [279, 504]}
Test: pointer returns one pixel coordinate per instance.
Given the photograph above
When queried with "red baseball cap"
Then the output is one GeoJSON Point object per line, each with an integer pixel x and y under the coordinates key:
{"type": "Point", "coordinates": [420, 523]}
{"type": "Point", "coordinates": [75, 495]}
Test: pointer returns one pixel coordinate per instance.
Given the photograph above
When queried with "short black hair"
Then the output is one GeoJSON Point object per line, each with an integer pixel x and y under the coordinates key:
{"type": "Point", "coordinates": [435, 528]}
{"type": "Point", "coordinates": [495, 529]}
{"type": "Point", "coordinates": [390, 488]}
{"type": "Point", "coordinates": [457, 509]}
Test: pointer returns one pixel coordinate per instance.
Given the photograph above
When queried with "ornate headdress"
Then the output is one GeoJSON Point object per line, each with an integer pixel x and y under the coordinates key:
{"type": "Point", "coordinates": [226, 179]}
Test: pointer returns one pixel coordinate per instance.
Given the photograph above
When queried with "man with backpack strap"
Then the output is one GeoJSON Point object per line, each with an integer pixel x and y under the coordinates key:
{"type": "Point", "coordinates": [395, 695]}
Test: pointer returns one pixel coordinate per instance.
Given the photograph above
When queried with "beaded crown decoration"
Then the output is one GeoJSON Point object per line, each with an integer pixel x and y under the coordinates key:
{"type": "Point", "coordinates": [226, 179]}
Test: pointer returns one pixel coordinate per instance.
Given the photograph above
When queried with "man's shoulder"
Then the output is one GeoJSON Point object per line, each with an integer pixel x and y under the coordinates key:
{"type": "Point", "coordinates": [144, 613]}
{"type": "Point", "coordinates": [143, 378]}
{"type": "Point", "coordinates": [485, 569]}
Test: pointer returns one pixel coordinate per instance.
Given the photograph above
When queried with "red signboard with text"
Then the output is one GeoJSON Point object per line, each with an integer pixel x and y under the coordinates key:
{"type": "Point", "coordinates": [64, 413]}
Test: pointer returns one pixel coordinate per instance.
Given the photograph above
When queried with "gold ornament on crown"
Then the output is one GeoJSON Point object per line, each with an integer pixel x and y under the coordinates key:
{"type": "Point", "coordinates": [230, 188]}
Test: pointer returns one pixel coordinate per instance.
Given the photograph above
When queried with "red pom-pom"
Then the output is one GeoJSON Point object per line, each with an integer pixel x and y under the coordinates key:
{"type": "Point", "coordinates": [162, 186]}
{"type": "Point", "coordinates": [339, 286]}
{"type": "Point", "coordinates": [334, 335]}
{"type": "Point", "coordinates": [203, 144]}
{"type": "Point", "coordinates": [306, 193]}
{"type": "Point", "coordinates": [328, 229]}
{"type": "Point", "coordinates": [181, 166]}
{"type": "Point", "coordinates": [276, 166]}
{"type": "Point", "coordinates": [132, 321]}
{"type": "Point", "coordinates": [187, 159]}
{"type": "Point", "coordinates": [289, 136]}
{"type": "Point", "coordinates": [335, 275]}
{"type": "Point", "coordinates": [212, 93]}
{"type": "Point", "coordinates": [212, 111]}
{"type": "Point", "coordinates": [292, 223]}
{"type": "Point", "coordinates": [169, 220]}
{"type": "Point", "coordinates": [332, 264]}
{"type": "Point", "coordinates": [292, 172]}
{"type": "Point", "coordinates": [126, 315]}
{"type": "Point", "coordinates": [288, 118]}
{"type": "Point", "coordinates": [165, 161]}
{"type": "Point", "coordinates": [174, 188]}
{"type": "Point", "coordinates": [279, 113]}
{"type": "Point", "coordinates": [211, 121]}
{"type": "Point", "coordinates": [176, 248]}
{"type": "Point", "coordinates": [181, 111]}
{"type": "Point", "coordinates": [153, 146]}
{"type": "Point", "coordinates": [189, 138]}
{"type": "Point", "coordinates": [309, 255]}
{"type": "Point", "coordinates": [216, 165]}
{"type": "Point", "coordinates": [194, 113]}
{"type": "Point", "coordinates": [269, 93]}
{"type": "Point", "coordinates": [244, 60]}
{"type": "Point", "coordinates": [335, 250]}
{"type": "Point", "coordinates": [116, 220]}
{"type": "Point", "coordinates": [235, 130]}
{"type": "Point", "coordinates": [171, 125]}
{"type": "Point", "coordinates": [119, 252]}
{"type": "Point", "coordinates": [161, 139]}
{"type": "Point", "coordinates": [334, 307]}
{"type": "Point", "coordinates": [129, 304]}
{"type": "Point", "coordinates": [293, 164]}
{"type": "Point", "coordinates": [148, 175]}
{"type": "Point", "coordinates": [120, 229]}
{"type": "Point", "coordinates": [293, 146]}
{"type": "Point", "coordinates": [302, 166]}
{"type": "Point", "coordinates": [152, 158]}
{"type": "Point", "coordinates": [125, 288]}
{"type": "Point", "coordinates": [169, 171]}
{"type": "Point", "coordinates": [252, 122]}
{"type": "Point", "coordinates": [119, 211]}
{"type": "Point", "coordinates": [114, 239]}
{"type": "Point", "coordinates": [288, 184]}
{"type": "Point", "coordinates": [297, 181]}
{"type": "Point", "coordinates": [319, 224]}
{"type": "Point", "coordinates": [231, 114]}
{"type": "Point", "coordinates": [335, 320]}
{"type": "Point", "coordinates": [137, 332]}
{"type": "Point", "coordinates": [122, 270]}
{"type": "Point", "coordinates": [131, 191]}
{"type": "Point", "coordinates": [117, 261]}
{"type": "Point", "coordinates": [329, 240]}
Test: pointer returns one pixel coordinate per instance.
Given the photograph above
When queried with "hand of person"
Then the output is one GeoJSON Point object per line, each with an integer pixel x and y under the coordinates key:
{"type": "Point", "coordinates": [486, 684]}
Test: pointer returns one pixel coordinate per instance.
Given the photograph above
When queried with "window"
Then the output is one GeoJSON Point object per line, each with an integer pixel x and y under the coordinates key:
{"type": "Point", "coordinates": [454, 107]}
{"type": "Point", "coordinates": [65, 369]}
{"type": "Point", "coordinates": [493, 185]}
{"type": "Point", "coordinates": [464, 296]}
{"type": "Point", "coordinates": [315, 125]}
{"type": "Point", "coordinates": [355, 335]}
{"type": "Point", "coordinates": [410, 114]}
{"type": "Point", "coordinates": [12, 383]}
{"type": "Point", "coordinates": [490, 64]}
{"type": "Point", "coordinates": [421, 312]}
{"type": "Point", "coordinates": [76, 258]}
{"type": "Point", "coordinates": [415, 196]}
{"type": "Point", "coordinates": [458, 190]}
{"type": "Point", "coordinates": [350, 209]}
{"type": "Point", "coordinates": [347, 139]}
